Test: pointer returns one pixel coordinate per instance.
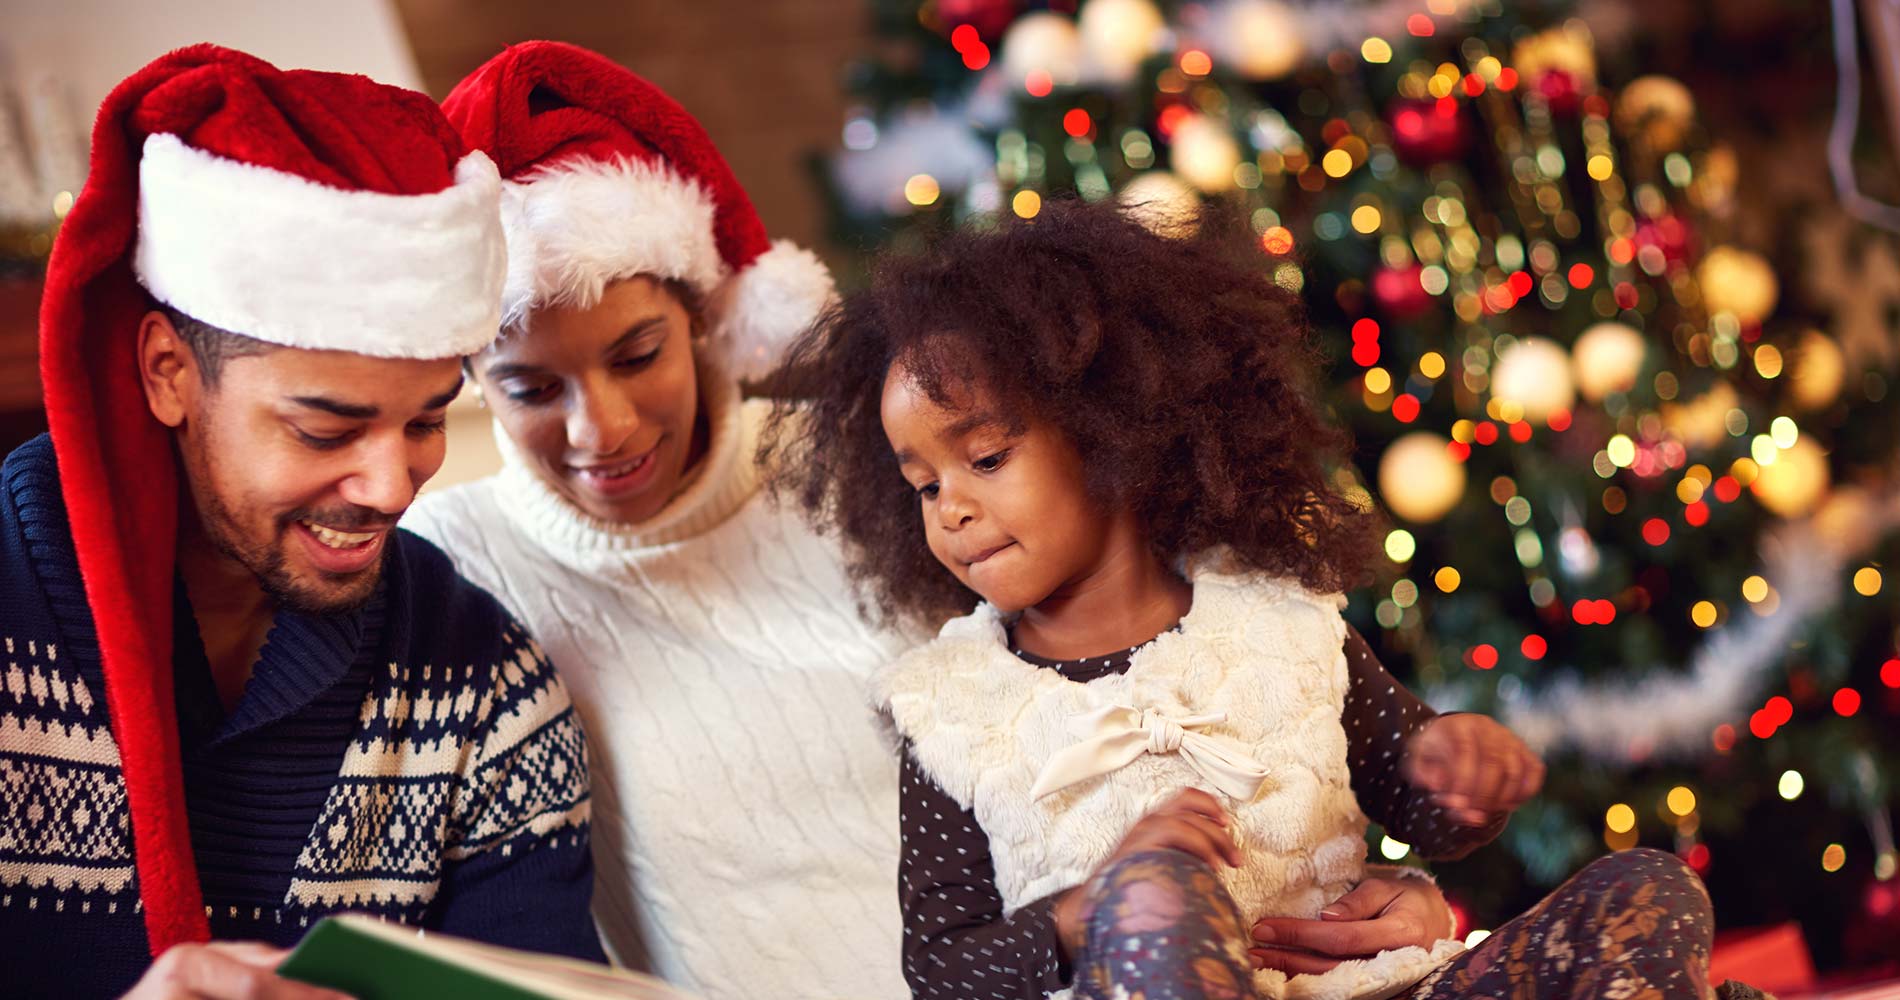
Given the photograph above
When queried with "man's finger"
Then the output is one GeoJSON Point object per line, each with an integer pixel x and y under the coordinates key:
{"type": "Point", "coordinates": [1293, 963]}
{"type": "Point", "coordinates": [218, 974]}
{"type": "Point", "coordinates": [253, 953]}
{"type": "Point", "coordinates": [1336, 938]}
{"type": "Point", "coordinates": [1367, 900]}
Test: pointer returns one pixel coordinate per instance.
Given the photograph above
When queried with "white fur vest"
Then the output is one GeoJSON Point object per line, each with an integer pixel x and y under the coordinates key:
{"type": "Point", "coordinates": [1267, 655]}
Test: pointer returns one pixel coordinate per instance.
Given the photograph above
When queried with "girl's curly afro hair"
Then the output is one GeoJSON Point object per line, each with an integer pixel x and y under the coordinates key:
{"type": "Point", "coordinates": [1181, 374]}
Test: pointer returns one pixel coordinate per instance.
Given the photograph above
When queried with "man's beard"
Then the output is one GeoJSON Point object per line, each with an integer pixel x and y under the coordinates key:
{"type": "Point", "coordinates": [269, 565]}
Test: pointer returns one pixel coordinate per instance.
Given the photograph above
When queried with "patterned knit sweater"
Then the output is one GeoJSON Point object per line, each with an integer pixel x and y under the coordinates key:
{"type": "Point", "coordinates": [745, 799]}
{"type": "Point", "coordinates": [417, 760]}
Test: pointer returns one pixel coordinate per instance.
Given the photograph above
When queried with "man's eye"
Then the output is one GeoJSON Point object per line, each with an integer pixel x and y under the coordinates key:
{"type": "Point", "coordinates": [425, 428]}
{"type": "Point", "coordinates": [321, 443]}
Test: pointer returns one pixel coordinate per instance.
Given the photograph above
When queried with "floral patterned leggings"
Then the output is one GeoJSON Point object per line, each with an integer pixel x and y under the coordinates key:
{"type": "Point", "coordinates": [1635, 925]}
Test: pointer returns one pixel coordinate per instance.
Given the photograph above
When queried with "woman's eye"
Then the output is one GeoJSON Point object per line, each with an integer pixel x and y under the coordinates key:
{"type": "Point", "coordinates": [525, 393]}
{"type": "Point", "coordinates": [928, 491]}
{"type": "Point", "coordinates": [639, 360]}
{"type": "Point", "coordinates": [990, 463]}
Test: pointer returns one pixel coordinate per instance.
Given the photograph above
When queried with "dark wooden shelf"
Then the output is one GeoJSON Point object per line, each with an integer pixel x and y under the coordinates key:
{"type": "Point", "coordinates": [19, 345]}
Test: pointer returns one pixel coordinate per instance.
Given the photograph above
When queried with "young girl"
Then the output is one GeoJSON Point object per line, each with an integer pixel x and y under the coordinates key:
{"type": "Point", "coordinates": [1132, 768]}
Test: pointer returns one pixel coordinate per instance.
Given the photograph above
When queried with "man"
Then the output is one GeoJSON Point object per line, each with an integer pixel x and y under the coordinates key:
{"type": "Point", "coordinates": [235, 698]}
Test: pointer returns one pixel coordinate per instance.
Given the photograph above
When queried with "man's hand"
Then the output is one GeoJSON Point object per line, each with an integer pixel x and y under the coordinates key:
{"type": "Point", "coordinates": [1380, 914]}
{"type": "Point", "coordinates": [223, 970]}
{"type": "Point", "coordinates": [1475, 768]}
{"type": "Point", "coordinates": [1191, 821]}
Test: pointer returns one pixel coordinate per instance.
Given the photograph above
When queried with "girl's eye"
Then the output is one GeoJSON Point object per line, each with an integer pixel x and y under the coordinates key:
{"type": "Point", "coordinates": [928, 491]}
{"type": "Point", "coordinates": [990, 463]}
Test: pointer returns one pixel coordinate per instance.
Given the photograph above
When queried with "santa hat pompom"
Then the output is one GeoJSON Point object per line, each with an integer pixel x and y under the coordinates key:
{"type": "Point", "coordinates": [763, 307]}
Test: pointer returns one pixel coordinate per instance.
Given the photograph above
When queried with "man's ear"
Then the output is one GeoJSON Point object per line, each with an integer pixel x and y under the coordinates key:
{"type": "Point", "coordinates": [168, 370]}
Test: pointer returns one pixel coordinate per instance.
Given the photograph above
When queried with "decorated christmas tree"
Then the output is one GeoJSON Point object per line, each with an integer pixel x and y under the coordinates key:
{"type": "Point", "coordinates": [1641, 510]}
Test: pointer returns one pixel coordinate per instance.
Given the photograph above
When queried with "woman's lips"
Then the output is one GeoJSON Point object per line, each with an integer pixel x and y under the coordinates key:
{"type": "Point", "coordinates": [618, 479]}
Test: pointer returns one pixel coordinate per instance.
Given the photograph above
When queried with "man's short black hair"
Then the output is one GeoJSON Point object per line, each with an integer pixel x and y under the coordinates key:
{"type": "Point", "coordinates": [211, 345]}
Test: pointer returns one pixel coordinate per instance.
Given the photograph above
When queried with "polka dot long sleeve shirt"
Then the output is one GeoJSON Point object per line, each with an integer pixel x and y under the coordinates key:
{"type": "Point", "coordinates": [958, 945]}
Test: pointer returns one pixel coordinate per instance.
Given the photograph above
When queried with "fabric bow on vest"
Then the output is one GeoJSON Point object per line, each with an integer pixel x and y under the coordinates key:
{"type": "Point", "coordinates": [1113, 736]}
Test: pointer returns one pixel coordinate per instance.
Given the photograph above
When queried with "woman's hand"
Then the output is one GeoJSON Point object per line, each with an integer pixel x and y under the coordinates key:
{"type": "Point", "coordinates": [1476, 769]}
{"type": "Point", "coordinates": [1380, 913]}
{"type": "Point", "coordinates": [1192, 821]}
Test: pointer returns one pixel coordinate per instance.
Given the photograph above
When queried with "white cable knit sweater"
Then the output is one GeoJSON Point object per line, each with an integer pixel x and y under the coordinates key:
{"type": "Point", "coordinates": [745, 800]}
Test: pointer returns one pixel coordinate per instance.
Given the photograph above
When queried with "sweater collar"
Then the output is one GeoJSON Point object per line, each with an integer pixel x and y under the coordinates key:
{"type": "Point", "coordinates": [303, 655]}
{"type": "Point", "coordinates": [725, 477]}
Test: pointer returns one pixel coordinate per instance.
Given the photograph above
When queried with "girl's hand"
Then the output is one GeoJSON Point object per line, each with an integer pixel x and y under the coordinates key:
{"type": "Point", "coordinates": [1476, 769]}
{"type": "Point", "coordinates": [1191, 821]}
{"type": "Point", "coordinates": [1379, 914]}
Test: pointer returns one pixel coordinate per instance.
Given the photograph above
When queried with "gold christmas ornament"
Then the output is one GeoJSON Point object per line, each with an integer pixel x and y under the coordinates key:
{"type": "Point", "coordinates": [1739, 283]}
{"type": "Point", "coordinates": [1204, 153]}
{"type": "Point", "coordinates": [1607, 358]}
{"type": "Point", "coordinates": [1566, 49]}
{"type": "Point", "coordinates": [1702, 422]}
{"type": "Point", "coordinates": [1847, 522]}
{"type": "Point", "coordinates": [1117, 35]}
{"type": "Point", "coordinates": [1043, 41]}
{"type": "Point", "coordinates": [1794, 483]}
{"type": "Point", "coordinates": [1261, 39]}
{"type": "Point", "coordinates": [1161, 201]}
{"type": "Point", "coordinates": [1419, 479]}
{"type": "Point", "coordinates": [1819, 369]}
{"type": "Point", "coordinates": [1658, 109]}
{"type": "Point", "coordinates": [1534, 373]}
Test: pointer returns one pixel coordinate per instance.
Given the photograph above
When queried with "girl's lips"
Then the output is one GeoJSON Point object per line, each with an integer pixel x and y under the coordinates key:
{"type": "Point", "coordinates": [986, 553]}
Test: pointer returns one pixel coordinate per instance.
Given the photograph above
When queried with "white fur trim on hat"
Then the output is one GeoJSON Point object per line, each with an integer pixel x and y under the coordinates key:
{"type": "Point", "coordinates": [580, 225]}
{"type": "Point", "coordinates": [763, 307]}
{"type": "Point", "coordinates": [287, 260]}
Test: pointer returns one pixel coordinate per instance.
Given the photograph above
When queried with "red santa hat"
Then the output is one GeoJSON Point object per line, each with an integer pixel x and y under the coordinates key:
{"type": "Point", "coordinates": [311, 210]}
{"type": "Point", "coordinates": [606, 177]}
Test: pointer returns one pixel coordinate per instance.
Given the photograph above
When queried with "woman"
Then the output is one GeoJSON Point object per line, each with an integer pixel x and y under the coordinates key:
{"type": "Point", "coordinates": [745, 797]}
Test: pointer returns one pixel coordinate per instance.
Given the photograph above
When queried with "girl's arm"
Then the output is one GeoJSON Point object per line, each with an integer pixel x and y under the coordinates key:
{"type": "Point", "coordinates": [1381, 717]}
{"type": "Point", "coordinates": [957, 943]}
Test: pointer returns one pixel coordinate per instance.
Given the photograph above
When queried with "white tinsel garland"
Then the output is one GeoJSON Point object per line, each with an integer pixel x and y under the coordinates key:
{"type": "Point", "coordinates": [1672, 713]}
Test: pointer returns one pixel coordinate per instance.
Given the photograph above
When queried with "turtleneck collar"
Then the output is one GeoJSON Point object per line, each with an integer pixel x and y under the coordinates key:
{"type": "Point", "coordinates": [720, 483]}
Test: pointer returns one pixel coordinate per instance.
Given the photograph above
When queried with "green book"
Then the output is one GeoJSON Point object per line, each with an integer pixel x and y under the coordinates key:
{"type": "Point", "coordinates": [372, 959]}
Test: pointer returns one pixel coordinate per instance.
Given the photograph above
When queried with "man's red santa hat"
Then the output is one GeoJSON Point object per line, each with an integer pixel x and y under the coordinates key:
{"type": "Point", "coordinates": [311, 210]}
{"type": "Point", "coordinates": [608, 178]}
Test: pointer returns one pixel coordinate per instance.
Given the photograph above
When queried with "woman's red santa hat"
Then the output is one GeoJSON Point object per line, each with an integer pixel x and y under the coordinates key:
{"type": "Point", "coordinates": [608, 178]}
{"type": "Point", "coordinates": [311, 210]}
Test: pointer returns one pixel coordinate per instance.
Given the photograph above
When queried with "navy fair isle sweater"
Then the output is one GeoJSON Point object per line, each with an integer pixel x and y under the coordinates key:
{"type": "Point", "coordinates": [416, 760]}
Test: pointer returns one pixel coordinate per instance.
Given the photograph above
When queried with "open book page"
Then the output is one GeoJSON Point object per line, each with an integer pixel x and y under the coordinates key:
{"type": "Point", "coordinates": [372, 959]}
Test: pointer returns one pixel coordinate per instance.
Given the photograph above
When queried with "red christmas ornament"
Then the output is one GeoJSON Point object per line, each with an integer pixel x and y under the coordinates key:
{"type": "Point", "coordinates": [1425, 132]}
{"type": "Point", "coordinates": [1559, 89]}
{"type": "Point", "coordinates": [1398, 292]}
{"type": "Point", "coordinates": [1669, 235]}
{"type": "Point", "coordinates": [988, 17]}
